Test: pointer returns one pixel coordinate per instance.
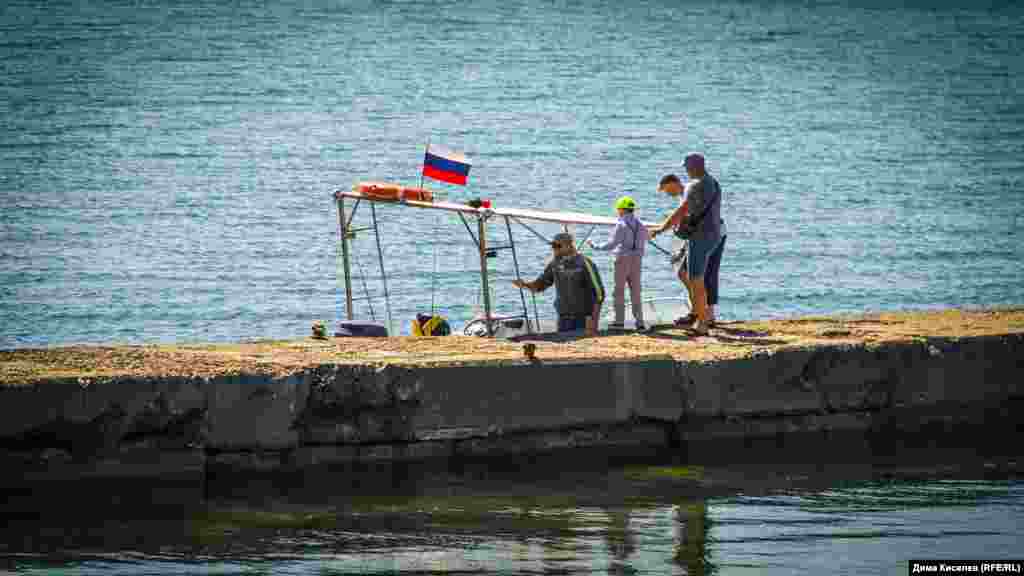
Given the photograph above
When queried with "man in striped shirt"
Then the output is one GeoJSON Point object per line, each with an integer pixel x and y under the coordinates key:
{"type": "Point", "coordinates": [579, 286]}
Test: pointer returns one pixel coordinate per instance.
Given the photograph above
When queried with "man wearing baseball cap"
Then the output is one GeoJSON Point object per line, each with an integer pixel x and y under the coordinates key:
{"type": "Point", "coordinates": [579, 286]}
{"type": "Point", "coordinates": [699, 219]}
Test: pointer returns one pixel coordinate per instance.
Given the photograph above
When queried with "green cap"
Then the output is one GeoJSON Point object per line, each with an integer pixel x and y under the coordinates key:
{"type": "Point", "coordinates": [625, 203]}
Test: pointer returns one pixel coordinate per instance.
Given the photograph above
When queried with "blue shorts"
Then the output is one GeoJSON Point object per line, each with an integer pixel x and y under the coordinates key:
{"type": "Point", "coordinates": [697, 256]}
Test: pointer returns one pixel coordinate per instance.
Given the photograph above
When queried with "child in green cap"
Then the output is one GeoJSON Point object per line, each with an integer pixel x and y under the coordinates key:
{"type": "Point", "coordinates": [627, 242]}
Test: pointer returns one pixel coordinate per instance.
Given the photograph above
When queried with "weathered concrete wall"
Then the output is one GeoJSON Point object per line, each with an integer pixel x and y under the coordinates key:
{"type": "Point", "coordinates": [254, 412]}
{"type": "Point", "coordinates": [876, 393]}
{"type": "Point", "coordinates": [71, 430]}
{"type": "Point", "coordinates": [330, 414]}
{"type": "Point", "coordinates": [851, 378]}
{"type": "Point", "coordinates": [544, 396]}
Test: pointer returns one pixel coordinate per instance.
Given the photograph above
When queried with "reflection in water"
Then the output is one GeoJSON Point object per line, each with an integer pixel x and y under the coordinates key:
{"type": "Point", "coordinates": [648, 520]}
{"type": "Point", "coordinates": [620, 540]}
{"type": "Point", "coordinates": [692, 549]}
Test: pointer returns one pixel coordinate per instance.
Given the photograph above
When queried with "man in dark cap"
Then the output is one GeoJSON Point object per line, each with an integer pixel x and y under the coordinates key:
{"type": "Point", "coordinates": [579, 286]}
{"type": "Point", "coordinates": [700, 216]}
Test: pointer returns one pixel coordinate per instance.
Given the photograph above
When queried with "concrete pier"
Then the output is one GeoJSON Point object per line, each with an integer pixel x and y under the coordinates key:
{"type": "Point", "coordinates": [158, 427]}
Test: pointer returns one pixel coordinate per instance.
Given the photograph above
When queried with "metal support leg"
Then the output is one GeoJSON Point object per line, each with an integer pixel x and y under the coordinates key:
{"type": "Point", "coordinates": [484, 283]}
{"type": "Point", "coordinates": [343, 231]}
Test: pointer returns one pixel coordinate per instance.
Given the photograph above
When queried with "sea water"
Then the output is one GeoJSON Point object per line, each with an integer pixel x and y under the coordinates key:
{"type": "Point", "coordinates": [632, 519]}
{"type": "Point", "coordinates": [168, 168]}
{"type": "Point", "coordinates": [167, 171]}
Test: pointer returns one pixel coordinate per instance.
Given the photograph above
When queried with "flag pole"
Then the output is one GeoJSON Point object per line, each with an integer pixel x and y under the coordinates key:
{"type": "Point", "coordinates": [433, 276]}
{"type": "Point", "coordinates": [425, 152]}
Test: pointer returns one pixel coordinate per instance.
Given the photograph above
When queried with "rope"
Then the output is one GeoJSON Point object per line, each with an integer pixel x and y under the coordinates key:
{"type": "Point", "coordinates": [366, 289]}
{"type": "Point", "coordinates": [383, 271]}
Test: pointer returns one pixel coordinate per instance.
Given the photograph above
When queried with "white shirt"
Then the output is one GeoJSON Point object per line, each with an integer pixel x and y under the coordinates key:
{"type": "Point", "coordinates": [686, 191]}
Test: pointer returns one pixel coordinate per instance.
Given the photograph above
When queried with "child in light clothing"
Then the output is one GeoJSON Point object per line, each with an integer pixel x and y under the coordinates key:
{"type": "Point", "coordinates": [627, 243]}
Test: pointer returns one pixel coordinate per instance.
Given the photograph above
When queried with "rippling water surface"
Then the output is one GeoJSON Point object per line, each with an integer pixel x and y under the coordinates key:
{"type": "Point", "coordinates": [166, 171]}
{"type": "Point", "coordinates": [624, 520]}
{"type": "Point", "coordinates": [166, 167]}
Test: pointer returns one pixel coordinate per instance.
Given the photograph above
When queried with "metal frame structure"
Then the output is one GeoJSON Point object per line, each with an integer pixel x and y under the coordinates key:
{"type": "Point", "coordinates": [347, 232]}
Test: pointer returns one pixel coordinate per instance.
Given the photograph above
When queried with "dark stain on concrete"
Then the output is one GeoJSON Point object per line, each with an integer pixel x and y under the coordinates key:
{"type": "Point", "coordinates": [358, 404]}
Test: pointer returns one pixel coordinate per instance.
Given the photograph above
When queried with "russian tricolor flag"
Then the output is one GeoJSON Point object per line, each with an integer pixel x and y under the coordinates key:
{"type": "Point", "coordinates": [446, 166]}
